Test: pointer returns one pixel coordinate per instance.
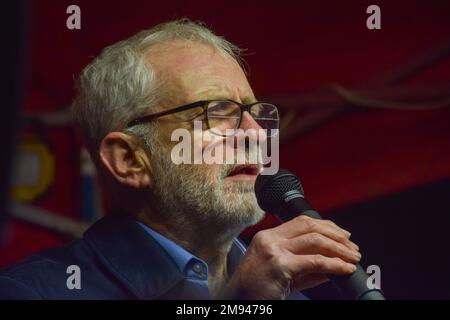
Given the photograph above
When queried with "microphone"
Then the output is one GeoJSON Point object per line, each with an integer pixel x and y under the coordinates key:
{"type": "Point", "coordinates": [282, 194]}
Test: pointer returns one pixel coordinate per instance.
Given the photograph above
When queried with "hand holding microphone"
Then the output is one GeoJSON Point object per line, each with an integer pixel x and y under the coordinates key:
{"type": "Point", "coordinates": [301, 253]}
{"type": "Point", "coordinates": [282, 194]}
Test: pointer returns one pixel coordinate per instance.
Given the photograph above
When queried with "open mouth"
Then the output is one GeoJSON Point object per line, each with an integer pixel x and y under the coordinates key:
{"type": "Point", "coordinates": [244, 172]}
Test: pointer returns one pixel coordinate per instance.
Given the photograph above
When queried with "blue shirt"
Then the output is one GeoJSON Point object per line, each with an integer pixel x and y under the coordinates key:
{"type": "Point", "coordinates": [194, 269]}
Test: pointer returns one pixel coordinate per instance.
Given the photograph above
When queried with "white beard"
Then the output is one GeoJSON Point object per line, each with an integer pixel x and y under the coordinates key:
{"type": "Point", "coordinates": [200, 194]}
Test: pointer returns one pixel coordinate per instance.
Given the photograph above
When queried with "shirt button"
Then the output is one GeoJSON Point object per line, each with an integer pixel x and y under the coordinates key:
{"type": "Point", "coordinates": [197, 267]}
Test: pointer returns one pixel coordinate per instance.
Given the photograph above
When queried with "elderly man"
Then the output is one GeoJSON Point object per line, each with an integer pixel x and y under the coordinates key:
{"type": "Point", "coordinates": [172, 233]}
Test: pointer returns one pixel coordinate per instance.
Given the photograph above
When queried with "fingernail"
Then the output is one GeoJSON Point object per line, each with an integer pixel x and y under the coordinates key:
{"type": "Point", "coordinates": [348, 234]}
{"type": "Point", "coordinates": [357, 255]}
{"type": "Point", "coordinates": [352, 267]}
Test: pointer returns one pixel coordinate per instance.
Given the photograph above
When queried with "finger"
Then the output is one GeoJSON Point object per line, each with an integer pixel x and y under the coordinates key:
{"type": "Point", "coordinates": [345, 241]}
{"type": "Point", "coordinates": [317, 263]}
{"type": "Point", "coordinates": [316, 243]}
{"type": "Point", "coordinates": [332, 224]}
{"type": "Point", "coordinates": [348, 233]}
{"type": "Point", "coordinates": [304, 225]}
{"type": "Point", "coordinates": [292, 227]}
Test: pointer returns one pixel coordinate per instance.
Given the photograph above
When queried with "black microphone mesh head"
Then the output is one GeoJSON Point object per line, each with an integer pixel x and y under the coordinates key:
{"type": "Point", "coordinates": [269, 189]}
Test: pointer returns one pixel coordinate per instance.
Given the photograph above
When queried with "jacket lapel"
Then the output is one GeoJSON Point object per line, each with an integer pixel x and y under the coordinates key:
{"type": "Point", "coordinates": [132, 256]}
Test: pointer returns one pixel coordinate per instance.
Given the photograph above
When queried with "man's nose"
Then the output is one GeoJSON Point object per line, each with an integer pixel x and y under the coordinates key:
{"type": "Point", "coordinates": [248, 122]}
{"type": "Point", "coordinates": [249, 130]}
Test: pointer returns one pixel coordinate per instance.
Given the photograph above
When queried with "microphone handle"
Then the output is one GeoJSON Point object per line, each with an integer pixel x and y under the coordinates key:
{"type": "Point", "coordinates": [353, 286]}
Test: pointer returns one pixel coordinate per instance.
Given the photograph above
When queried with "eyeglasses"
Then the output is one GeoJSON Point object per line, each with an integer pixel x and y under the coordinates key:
{"type": "Point", "coordinates": [224, 117]}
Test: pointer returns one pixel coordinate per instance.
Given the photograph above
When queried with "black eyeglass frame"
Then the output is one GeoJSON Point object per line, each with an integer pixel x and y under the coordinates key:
{"type": "Point", "coordinates": [204, 104]}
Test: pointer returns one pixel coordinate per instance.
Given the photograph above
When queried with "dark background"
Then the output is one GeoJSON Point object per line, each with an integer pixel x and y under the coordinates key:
{"type": "Point", "coordinates": [383, 174]}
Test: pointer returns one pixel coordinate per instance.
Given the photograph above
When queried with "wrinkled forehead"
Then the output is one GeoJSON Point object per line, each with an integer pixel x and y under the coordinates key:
{"type": "Point", "coordinates": [195, 71]}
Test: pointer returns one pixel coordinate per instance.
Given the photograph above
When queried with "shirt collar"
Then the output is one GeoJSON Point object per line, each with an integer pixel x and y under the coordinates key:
{"type": "Point", "coordinates": [179, 255]}
{"type": "Point", "coordinates": [185, 260]}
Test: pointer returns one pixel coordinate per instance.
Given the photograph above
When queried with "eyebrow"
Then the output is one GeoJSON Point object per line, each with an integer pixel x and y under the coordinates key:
{"type": "Point", "coordinates": [218, 91]}
{"type": "Point", "coordinates": [244, 100]}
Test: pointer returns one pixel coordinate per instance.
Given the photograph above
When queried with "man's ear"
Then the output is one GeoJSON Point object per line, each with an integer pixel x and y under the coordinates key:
{"type": "Point", "coordinates": [125, 160]}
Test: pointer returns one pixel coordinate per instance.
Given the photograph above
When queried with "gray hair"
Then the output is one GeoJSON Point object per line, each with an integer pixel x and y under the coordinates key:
{"type": "Point", "coordinates": [120, 85]}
